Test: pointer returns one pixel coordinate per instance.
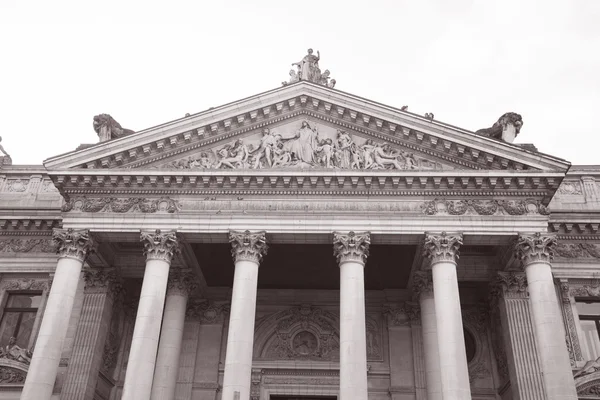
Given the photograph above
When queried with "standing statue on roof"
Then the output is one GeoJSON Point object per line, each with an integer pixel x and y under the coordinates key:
{"type": "Point", "coordinates": [4, 160]}
{"type": "Point", "coordinates": [309, 67]}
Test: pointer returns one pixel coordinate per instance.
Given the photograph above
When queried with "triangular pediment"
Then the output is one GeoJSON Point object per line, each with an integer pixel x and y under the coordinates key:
{"type": "Point", "coordinates": [343, 132]}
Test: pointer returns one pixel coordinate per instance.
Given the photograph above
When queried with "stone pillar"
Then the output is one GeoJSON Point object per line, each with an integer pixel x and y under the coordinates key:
{"type": "Point", "coordinates": [247, 250]}
{"type": "Point", "coordinates": [535, 252]}
{"type": "Point", "coordinates": [181, 283]}
{"type": "Point", "coordinates": [159, 248]}
{"type": "Point", "coordinates": [73, 246]}
{"type": "Point", "coordinates": [443, 252]}
{"type": "Point", "coordinates": [351, 251]}
{"type": "Point", "coordinates": [101, 288]}
{"type": "Point", "coordinates": [523, 364]}
{"type": "Point", "coordinates": [423, 288]}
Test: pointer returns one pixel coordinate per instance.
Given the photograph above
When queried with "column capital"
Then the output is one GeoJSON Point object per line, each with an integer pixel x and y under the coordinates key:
{"type": "Point", "coordinates": [181, 282]}
{"type": "Point", "coordinates": [159, 245]}
{"type": "Point", "coordinates": [442, 248]}
{"type": "Point", "coordinates": [103, 280]}
{"type": "Point", "coordinates": [248, 246]}
{"type": "Point", "coordinates": [73, 243]}
{"type": "Point", "coordinates": [510, 284]}
{"type": "Point", "coordinates": [535, 247]}
{"type": "Point", "coordinates": [352, 247]}
{"type": "Point", "coordinates": [422, 283]}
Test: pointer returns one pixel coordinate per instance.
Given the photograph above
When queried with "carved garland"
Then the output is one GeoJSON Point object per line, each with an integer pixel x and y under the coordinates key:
{"type": "Point", "coordinates": [25, 284]}
{"type": "Point", "coordinates": [27, 246]}
{"type": "Point", "coordinates": [484, 207]}
{"type": "Point", "coordinates": [122, 205]}
{"type": "Point", "coordinates": [577, 250]}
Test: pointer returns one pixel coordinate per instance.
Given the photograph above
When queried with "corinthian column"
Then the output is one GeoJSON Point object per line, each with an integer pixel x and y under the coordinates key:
{"type": "Point", "coordinates": [181, 283]}
{"type": "Point", "coordinates": [351, 251]}
{"type": "Point", "coordinates": [443, 252]}
{"type": "Point", "coordinates": [102, 286]}
{"type": "Point", "coordinates": [247, 249]}
{"type": "Point", "coordinates": [159, 248]}
{"type": "Point", "coordinates": [536, 252]}
{"type": "Point", "coordinates": [73, 246]}
{"type": "Point", "coordinates": [423, 288]}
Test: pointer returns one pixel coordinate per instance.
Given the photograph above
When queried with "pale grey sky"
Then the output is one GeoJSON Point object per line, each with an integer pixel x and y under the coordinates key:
{"type": "Point", "coordinates": [149, 62]}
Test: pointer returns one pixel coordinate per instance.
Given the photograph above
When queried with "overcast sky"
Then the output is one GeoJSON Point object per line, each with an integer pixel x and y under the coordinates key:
{"type": "Point", "coordinates": [149, 62]}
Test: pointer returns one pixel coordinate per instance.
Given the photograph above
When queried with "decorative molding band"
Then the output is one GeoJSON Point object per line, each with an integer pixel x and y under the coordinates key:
{"type": "Point", "coordinates": [159, 245]}
{"type": "Point", "coordinates": [442, 248]}
{"type": "Point", "coordinates": [27, 246]}
{"type": "Point", "coordinates": [532, 248]}
{"type": "Point", "coordinates": [25, 284]}
{"type": "Point", "coordinates": [484, 207]}
{"type": "Point", "coordinates": [121, 205]}
{"type": "Point", "coordinates": [248, 246]}
{"type": "Point", "coordinates": [351, 247]}
{"type": "Point", "coordinates": [73, 243]}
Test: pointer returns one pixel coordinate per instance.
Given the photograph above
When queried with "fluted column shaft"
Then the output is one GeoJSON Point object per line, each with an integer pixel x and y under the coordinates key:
{"type": "Point", "coordinates": [181, 283]}
{"type": "Point", "coordinates": [73, 246]}
{"type": "Point", "coordinates": [101, 288]}
{"type": "Point", "coordinates": [159, 248]}
{"type": "Point", "coordinates": [423, 287]}
{"type": "Point", "coordinates": [536, 252]}
{"type": "Point", "coordinates": [351, 251]}
{"type": "Point", "coordinates": [518, 337]}
{"type": "Point", "coordinates": [247, 250]}
{"type": "Point", "coordinates": [443, 252]}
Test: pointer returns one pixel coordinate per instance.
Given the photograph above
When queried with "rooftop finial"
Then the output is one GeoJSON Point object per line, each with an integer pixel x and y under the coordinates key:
{"type": "Point", "coordinates": [308, 70]}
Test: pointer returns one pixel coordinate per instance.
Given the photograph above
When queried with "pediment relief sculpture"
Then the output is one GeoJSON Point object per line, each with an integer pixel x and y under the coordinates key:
{"type": "Point", "coordinates": [305, 145]}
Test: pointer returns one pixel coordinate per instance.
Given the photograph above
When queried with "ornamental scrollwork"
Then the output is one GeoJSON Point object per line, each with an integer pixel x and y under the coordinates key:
{"type": "Point", "coordinates": [159, 245]}
{"type": "Point", "coordinates": [181, 282]}
{"type": "Point", "coordinates": [121, 205]}
{"type": "Point", "coordinates": [27, 246]}
{"type": "Point", "coordinates": [73, 243]}
{"type": "Point", "coordinates": [442, 248]}
{"type": "Point", "coordinates": [11, 375]}
{"type": "Point", "coordinates": [351, 247]}
{"type": "Point", "coordinates": [207, 312]}
{"type": "Point", "coordinates": [248, 246]}
{"type": "Point", "coordinates": [512, 282]}
{"type": "Point", "coordinates": [484, 207]}
{"type": "Point", "coordinates": [103, 279]}
{"type": "Point", "coordinates": [25, 284]}
{"type": "Point", "coordinates": [422, 283]}
{"type": "Point", "coordinates": [531, 248]}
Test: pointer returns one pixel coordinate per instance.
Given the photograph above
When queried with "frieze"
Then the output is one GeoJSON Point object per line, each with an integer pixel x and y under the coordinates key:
{"type": "Point", "coordinates": [570, 188]}
{"type": "Point", "coordinates": [27, 246]}
{"type": "Point", "coordinates": [285, 380]}
{"type": "Point", "coordinates": [586, 290]}
{"type": "Point", "coordinates": [305, 147]}
{"type": "Point", "coordinates": [16, 185]}
{"type": "Point", "coordinates": [577, 250]}
{"type": "Point", "coordinates": [11, 375]}
{"type": "Point", "coordinates": [25, 284]}
{"type": "Point", "coordinates": [484, 207]}
{"type": "Point", "coordinates": [122, 205]}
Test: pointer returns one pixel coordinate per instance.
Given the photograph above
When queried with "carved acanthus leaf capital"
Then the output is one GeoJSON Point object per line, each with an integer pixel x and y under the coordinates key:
{"type": "Point", "coordinates": [159, 245]}
{"type": "Point", "coordinates": [422, 283]}
{"type": "Point", "coordinates": [248, 246]}
{"type": "Point", "coordinates": [351, 247]}
{"type": "Point", "coordinates": [532, 248]}
{"type": "Point", "coordinates": [182, 282]}
{"type": "Point", "coordinates": [73, 243]}
{"type": "Point", "coordinates": [513, 283]}
{"type": "Point", "coordinates": [103, 279]}
{"type": "Point", "coordinates": [442, 248]}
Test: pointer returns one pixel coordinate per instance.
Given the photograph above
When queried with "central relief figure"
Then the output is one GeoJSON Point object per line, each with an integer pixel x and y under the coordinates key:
{"type": "Point", "coordinates": [304, 144]}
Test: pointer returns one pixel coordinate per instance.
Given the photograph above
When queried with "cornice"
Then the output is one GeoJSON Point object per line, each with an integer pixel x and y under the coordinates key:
{"type": "Point", "coordinates": [244, 115]}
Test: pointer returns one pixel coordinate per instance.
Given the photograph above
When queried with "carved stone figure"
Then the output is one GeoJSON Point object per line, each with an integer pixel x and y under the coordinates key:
{"type": "Point", "coordinates": [294, 77]}
{"type": "Point", "coordinates": [4, 160]}
{"type": "Point", "coordinates": [107, 128]}
{"type": "Point", "coordinates": [309, 67]}
{"type": "Point", "coordinates": [235, 156]}
{"type": "Point", "coordinates": [15, 352]}
{"type": "Point", "coordinates": [383, 157]}
{"type": "Point", "coordinates": [506, 128]}
{"type": "Point", "coordinates": [268, 144]}
{"type": "Point", "coordinates": [304, 144]}
{"type": "Point", "coordinates": [589, 367]}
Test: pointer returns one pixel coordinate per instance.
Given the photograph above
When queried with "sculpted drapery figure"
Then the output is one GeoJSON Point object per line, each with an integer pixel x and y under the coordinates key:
{"type": "Point", "coordinates": [304, 144]}
{"type": "Point", "coordinates": [309, 67]}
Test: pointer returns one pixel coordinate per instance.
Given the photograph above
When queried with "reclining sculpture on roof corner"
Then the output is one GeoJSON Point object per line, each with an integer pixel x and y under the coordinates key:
{"type": "Point", "coordinates": [107, 128]}
{"type": "Point", "coordinates": [304, 148]}
{"type": "Point", "coordinates": [308, 70]}
{"type": "Point", "coordinates": [506, 128]}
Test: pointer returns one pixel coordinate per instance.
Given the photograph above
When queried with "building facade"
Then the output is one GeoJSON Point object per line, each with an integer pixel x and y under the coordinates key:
{"type": "Point", "coordinates": [303, 243]}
